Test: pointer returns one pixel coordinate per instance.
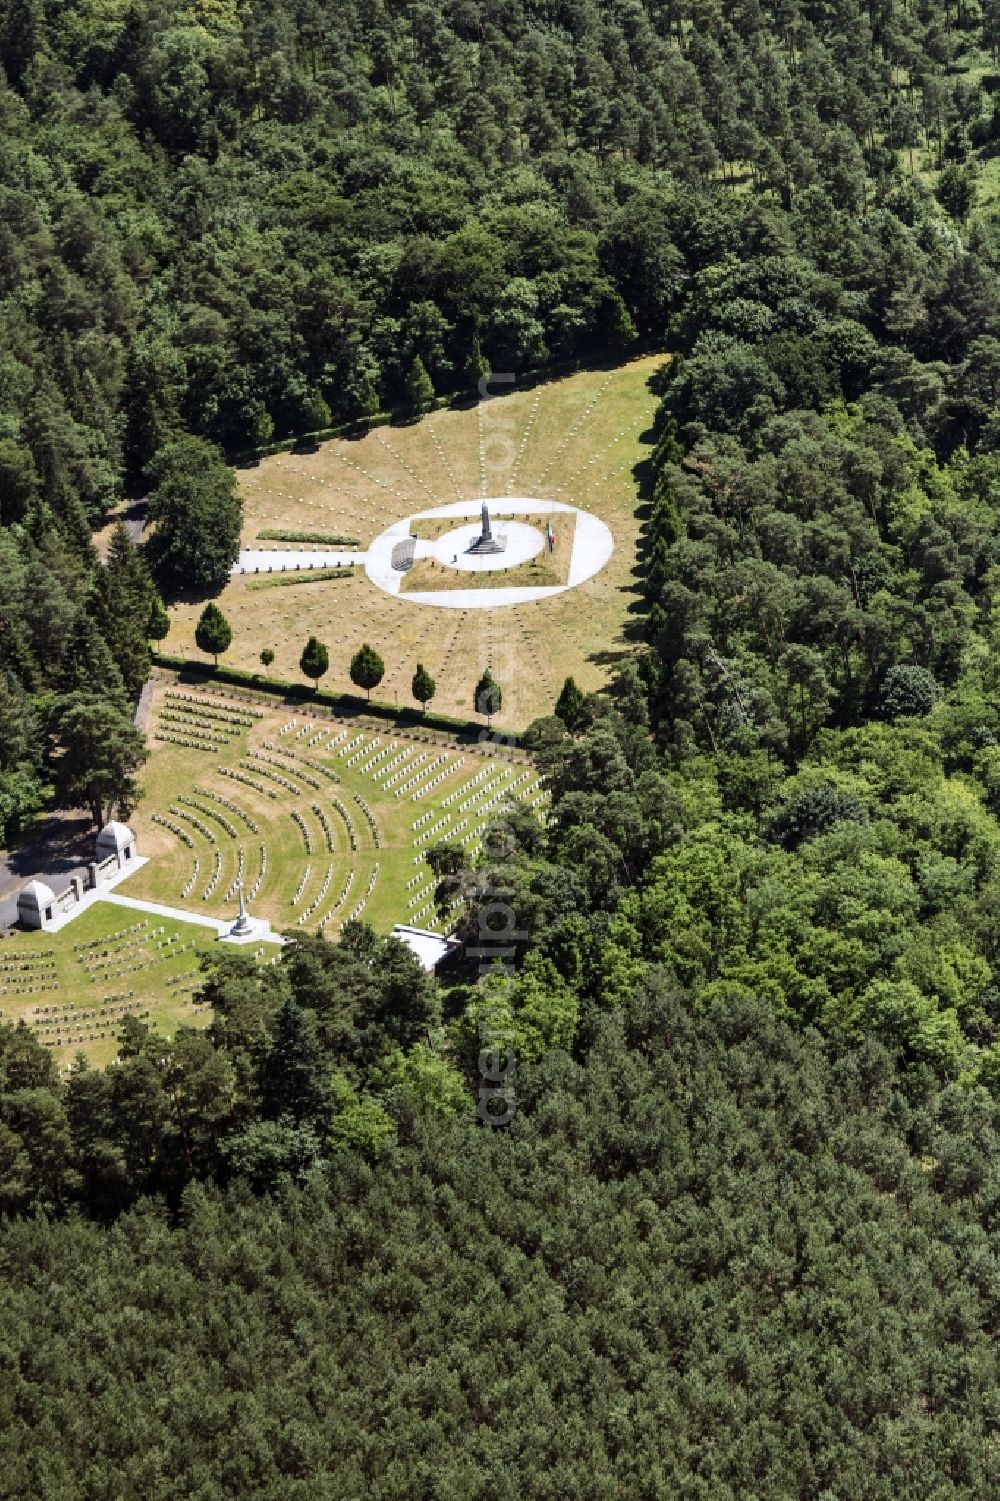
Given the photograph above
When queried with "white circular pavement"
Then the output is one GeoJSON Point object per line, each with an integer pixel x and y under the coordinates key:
{"type": "Point", "coordinates": [452, 550]}
{"type": "Point", "coordinates": [592, 545]}
{"type": "Point", "coordinates": [591, 542]}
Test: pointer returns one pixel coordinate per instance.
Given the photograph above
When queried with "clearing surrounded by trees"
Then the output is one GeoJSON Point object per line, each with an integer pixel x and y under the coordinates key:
{"type": "Point", "coordinates": [576, 440]}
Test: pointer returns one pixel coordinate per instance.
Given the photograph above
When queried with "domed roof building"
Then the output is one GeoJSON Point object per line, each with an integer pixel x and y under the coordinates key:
{"type": "Point", "coordinates": [115, 839]}
{"type": "Point", "coordinates": [36, 905]}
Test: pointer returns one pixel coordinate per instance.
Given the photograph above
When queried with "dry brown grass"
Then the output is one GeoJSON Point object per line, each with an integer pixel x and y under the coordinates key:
{"type": "Point", "coordinates": [575, 440]}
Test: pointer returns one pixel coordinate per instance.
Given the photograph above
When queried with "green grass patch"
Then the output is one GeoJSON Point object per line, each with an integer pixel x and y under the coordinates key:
{"type": "Point", "coordinates": [333, 539]}
{"type": "Point", "coordinates": [76, 987]}
{"type": "Point", "coordinates": [301, 576]}
{"type": "Point", "coordinates": [322, 818]}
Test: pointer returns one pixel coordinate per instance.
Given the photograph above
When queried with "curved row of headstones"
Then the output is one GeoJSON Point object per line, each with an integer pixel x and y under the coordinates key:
{"type": "Point", "coordinates": [296, 771]}
{"type": "Point", "coordinates": [324, 823]}
{"type": "Point", "coordinates": [227, 802]}
{"type": "Point", "coordinates": [319, 897]}
{"type": "Point", "coordinates": [238, 878]}
{"type": "Point", "coordinates": [247, 781]}
{"type": "Point", "coordinates": [370, 816]}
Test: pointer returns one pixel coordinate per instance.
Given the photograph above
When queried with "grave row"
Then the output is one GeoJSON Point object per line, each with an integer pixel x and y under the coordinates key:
{"type": "Point", "coordinates": [442, 776]}
{"type": "Point", "coordinates": [352, 836]}
{"type": "Point", "coordinates": [112, 938]}
{"type": "Point", "coordinates": [258, 883]}
{"type": "Point", "coordinates": [300, 889]}
{"type": "Point", "coordinates": [226, 802]}
{"type": "Point", "coordinates": [366, 766]}
{"type": "Point", "coordinates": [400, 760]}
{"type": "Point", "coordinates": [351, 744]}
{"type": "Point", "coordinates": [365, 899]}
{"type": "Point", "coordinates": [89, 1031]}
{"type": "Point", "coordinates": [191, 881]}
{"type": "Point", "coordinates": [319, 898]}
{"type": "Point", "coordinates": [434, 829]}
{"type": "Point", "coordinates": [300, 761]}
{"type": "Point", "coordinates": [173, 981]}
{"type": "Point", "coordinates": [370, 816]}
{"type": "Point", "coordinates": [186, 742]}
{"type": "Point", "coordinates": [468, 786]}
{"type": "Point", "coordinates": [272, 776]}
{"type": "Point", "coordinates": [174, 828]}
{"type": "Point", "coordinates": [237, 880]}
{"type": "Point", "coordinates": [325, 826]}
{"type": "Point", "coordinates": [205, 707]}
{"type": "Point", "coordinates": [324, 771]}
{"type": "Point", "coordinates": [194, 821]}
{"type": "Point", "coordinates": [203, 729]}
{"type": "Point", "coordinates": [361, 754]}
{"type": "Point", "coordinates": [438, 761]}
{"type": "Point", "coordinates": [482, 792]}
{"type": "Point", "coordinates": [342, 898]}
{"type": "Point", "coordinates": [247, 781]}
{"type": "Point", "coordinates": [295, 771]}
{"type": "Point", "coordinates": [215, 879]}
{"type": "Point", "coordinates": [243, 711]}
{"type": "Point", "coordinates": [303, 830]}
{"type": "Point", "coordinates": [391, 782]}
{"type": "Point", "coordinates": [26, 966]}
{"type": "Point", "coordinates": [220, 819]}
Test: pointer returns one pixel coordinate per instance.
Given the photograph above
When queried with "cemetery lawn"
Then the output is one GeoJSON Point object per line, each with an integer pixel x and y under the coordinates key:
{"type": "Point", "coordinates": [108, 963]}
{"type": "Point", "coordinates": [258, 775]}
{"type": "Point", "coordinates": [196, 817]}
{"type": "Point", "coordinates": [576, 440]}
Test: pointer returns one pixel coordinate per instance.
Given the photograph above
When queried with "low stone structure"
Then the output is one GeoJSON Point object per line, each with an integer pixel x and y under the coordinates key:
{"type": "Point", "coordinates": [39, 907]}
{"type": "Point", "coordinates": [118, 841]}
{"type": "Point", "coordinates": [36, 905]}
{"type": "Point", "coordinates": [403, 554]}
{"type": "Point", "coordinates": [246, 928]}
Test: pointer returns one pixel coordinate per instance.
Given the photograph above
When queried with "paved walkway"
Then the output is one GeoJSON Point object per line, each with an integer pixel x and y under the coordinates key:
{"type": "Point", "coordinates": [101, 893]}
{"type": "Point", "coordinates": [180, 914]}
{"type": "Point", "coordinates": [144, 707]}
{"type": "Point", "coordinates": [268, 560]}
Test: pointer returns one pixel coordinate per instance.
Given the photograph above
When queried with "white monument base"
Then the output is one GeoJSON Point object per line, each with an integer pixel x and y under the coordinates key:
{"type": "Point", "coordinates": [248, 930]}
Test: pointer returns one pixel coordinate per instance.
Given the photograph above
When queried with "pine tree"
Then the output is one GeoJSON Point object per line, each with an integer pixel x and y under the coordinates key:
{"type": "Point", "coordinates": [293, 1082]}
{"type": "Point", "coordinates": [159, 621]}
{"type": "Point", "coordinates": [367, 669]}
{"type": "Point", "coordinates": [569, 705]}
{"type": "Point", "coordinates": [87, 664]}
{"type": "Point", "coordinates": [213, 633]}
{"type": "Point", "coordinates": [423, 686]}
{"type": "Point", "coordinates": [315, 660]}
{"type": "Point", "coordinates": [419, 388]}
{"type": "Point", "coordinates": [477, 365]}
{"type": "Point", "coordinates": [127, 597]}
{"type": "Point", "coordinates": [488, 698]}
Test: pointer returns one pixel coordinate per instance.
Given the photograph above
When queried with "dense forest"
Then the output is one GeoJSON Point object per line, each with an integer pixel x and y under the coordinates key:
{"type": "Point", "coordinates": [739, 1238]}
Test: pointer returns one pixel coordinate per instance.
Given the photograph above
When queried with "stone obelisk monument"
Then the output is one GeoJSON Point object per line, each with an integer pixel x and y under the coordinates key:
{"type": "Point", "coordinates": [486, 542]}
